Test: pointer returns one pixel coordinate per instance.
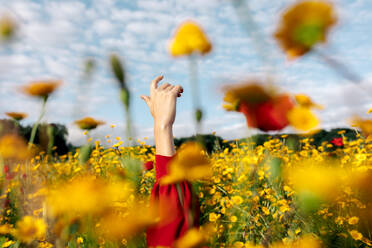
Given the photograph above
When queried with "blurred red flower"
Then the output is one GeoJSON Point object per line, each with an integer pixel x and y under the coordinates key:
{"type": "Point", "coordinates": [262, 107]}
{"type": "Point", "coordinates": [337, 141]}
{"type": "Point", "coordinates": [270, 115]}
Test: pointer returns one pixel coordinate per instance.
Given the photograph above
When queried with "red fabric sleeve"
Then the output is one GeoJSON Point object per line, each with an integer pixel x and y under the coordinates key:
{"type": "Point", "coordinates": [166, 232]}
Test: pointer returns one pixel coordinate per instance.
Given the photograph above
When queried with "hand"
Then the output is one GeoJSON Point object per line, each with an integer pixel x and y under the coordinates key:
{"type": "Point", "coordinates": [162, 102]}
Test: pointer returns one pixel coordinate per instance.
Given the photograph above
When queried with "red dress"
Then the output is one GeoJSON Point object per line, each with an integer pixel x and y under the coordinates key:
{"type": "Point", "coordinates": [166, 232]}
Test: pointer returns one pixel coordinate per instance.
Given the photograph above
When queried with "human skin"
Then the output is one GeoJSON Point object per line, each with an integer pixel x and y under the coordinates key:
{"type": "Point", "coordinates": [162, 105]}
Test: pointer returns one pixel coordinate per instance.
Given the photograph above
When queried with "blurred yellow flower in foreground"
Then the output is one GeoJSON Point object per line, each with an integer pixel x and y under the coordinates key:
{"type": "Point", "coordinates": [5, 228]}
{"type": "Point", "coordinates": [319, 179]}
{"type": "Point", "coordinates": [88, 123]}
{"type": "Point", "coordinates": [41, 88]}
{"type": "Point", "coordinates": [245, 245]}
{"type": "Point", "coordinates": [7, 28]}
{"type": "Point", "coordinates": [302, 118]}
{"type": "Point", "coordinates": [307, 241]}
{"type": "Point", "coordinates": [119, 225]}
{"type": "Point", "coordinates": [194, 238]}
{"type": "Point", "coordinates": [303, 25]}
{"type": "Point", "coordinates": [190, 163]}
{"type": "Point", "coordinates": [189, 38]}
{"type": "Point", "coordinates": [305, 101]}
{"type": "Point", "coordinates": [30, 228]}
{"type": "Point", "coordinates": [18, 116]}
{"type": "Point", "coordinates": [14, 147]}
{"type": "Point", "coordinates": [364, 125]}
{"type": "Point", "coordinates": [86, 195]}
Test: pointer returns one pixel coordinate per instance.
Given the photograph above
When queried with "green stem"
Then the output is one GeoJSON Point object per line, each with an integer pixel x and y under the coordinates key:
{"type": "Point", "coordinates": [128, 128]}
{"type": "Point", "coordinates": [50, 131]}
{"type": "Point", "coordinates": [193, 67]}
{"type": "Point", "coordinates": [36, 124]}
{"type": "Point", "coordinates": [250, 26]}
{"type": "Point", "coordinates": [338, 67]}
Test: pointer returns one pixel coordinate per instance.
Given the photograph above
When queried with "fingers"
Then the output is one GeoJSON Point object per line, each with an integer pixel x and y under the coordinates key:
{"type": "Point", "coordinates": [165, 86]}
{"type": "Point", "coordinates": [154, 83]}
{"type": "Point", "coordinates": [177, 90]}
{"type": "Point", "coordinates": [146, 99]}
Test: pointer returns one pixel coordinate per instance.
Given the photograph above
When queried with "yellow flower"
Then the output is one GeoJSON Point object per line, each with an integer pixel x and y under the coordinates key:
{"type": "Point", "coordinates": [305, 101]}
{"type": "Point", "coordinates": [5, 228]}
{"type": "Point", "coordinates": [194, 238]}
{"type": "Point", "coordinates": [79, 240]}
{"type": "Point", "coordinates": [18, 116]}
{"type": "Point", "coordinates": [307, 241]}
{"type": "Point", "coordinates": [233, 218]}
{"type": "Point", "coordinates": [189, 38]}
{"type": "Point", "coordinates": [238, 245]}
{"type": "Point", "coordinates": [7, 243]}
{"type": "Point", "coordinates": [45, 244]}
{"type": "Point", "coordinates": [41, 88]}
{"type": "Point", "coordinates": [30, 228]}
{"type": "Point", "coordinates": [7, 28]}
{"type": "Point", "coordinates": [363, 124]}
{"type": "Point", "coordinates": [237, 200]}
{"type": "Point", "coordinates": [304, 25]}
{"type": "Point", "coordinates": [353, 220]}
{"type": "Point", "coordinates": [88, 123]}
{"type": "Point", "coordinates": [356, 235]}
{"type": "Point", "coordinates": [266, 210]}
{"type": "Point", "coordinates": [14, 147]}
{"type": "Point", "coordinates": [116, 226]}
{"type": "Point", "coordinates": [302, 118]}
{"type": "Point", "coordinates": [319, 179]}
{"type": "Point", "coordinates": [213, 217]}
{"type": "Point", "coordinates": [190, 163]}
{"type": "Point", "coordinates": [86, 195]}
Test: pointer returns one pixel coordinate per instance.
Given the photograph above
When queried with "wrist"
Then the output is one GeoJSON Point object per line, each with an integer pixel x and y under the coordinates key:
{"type": "Point", "coordinates": [164, 140]}
{"type": "Point", "coordinates": [162, 126]}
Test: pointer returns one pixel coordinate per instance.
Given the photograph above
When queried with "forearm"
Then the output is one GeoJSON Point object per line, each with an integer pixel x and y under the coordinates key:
{"type": "Point", "coordinates": [164, 140]}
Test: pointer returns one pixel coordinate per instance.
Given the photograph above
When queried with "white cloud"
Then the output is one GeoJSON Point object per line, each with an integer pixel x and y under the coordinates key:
{"type": "Point", "coordinates": [103, 27]}
{"type": "Point", "coordinates": [55, 37]}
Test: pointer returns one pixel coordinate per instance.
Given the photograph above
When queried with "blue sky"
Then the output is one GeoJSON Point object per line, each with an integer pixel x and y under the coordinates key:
{"type": "Point", "coordinates": [55, 37]}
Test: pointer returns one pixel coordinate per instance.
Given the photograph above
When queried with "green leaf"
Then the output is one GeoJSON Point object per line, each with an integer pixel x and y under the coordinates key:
{"type": "Point", "coordinates": [118, 70]}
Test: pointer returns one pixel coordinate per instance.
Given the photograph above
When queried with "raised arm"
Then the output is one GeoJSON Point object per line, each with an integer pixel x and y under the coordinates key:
{"type": "Point", "coordinates": [162, 105]}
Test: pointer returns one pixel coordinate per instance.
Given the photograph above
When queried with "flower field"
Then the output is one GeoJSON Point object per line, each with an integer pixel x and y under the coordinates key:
{"type": "Point", "coordinates": [268, 195]}
{"type": "Point", "coordinates": [284, 192]}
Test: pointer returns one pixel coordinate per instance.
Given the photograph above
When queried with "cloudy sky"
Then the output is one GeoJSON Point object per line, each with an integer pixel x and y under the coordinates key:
{"type": "Point", "coordinates": [56, 37]}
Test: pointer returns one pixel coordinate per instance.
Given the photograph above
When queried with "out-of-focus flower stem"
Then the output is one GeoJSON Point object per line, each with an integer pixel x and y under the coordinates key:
{"type": "Point", "coordinates": [50, 131]}
{"type": "Point", "coordinates": [193, 67]}
{"type": "Point", "coordinates": [125, 98]}
{"type": "Point", "coordinates": [244, 14]}
{"type": "Point", "coordinates": [36, 124]}
{"type": "Point", "coordinates": [338, 67]}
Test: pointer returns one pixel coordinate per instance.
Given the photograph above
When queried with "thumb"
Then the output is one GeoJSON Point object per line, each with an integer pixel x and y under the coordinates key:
{"type": "Point", "coordinates": [146, 99]}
